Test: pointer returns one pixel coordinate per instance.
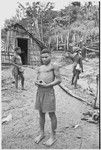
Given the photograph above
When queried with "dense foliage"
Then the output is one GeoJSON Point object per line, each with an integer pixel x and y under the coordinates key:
{"type": "Point", "coordinates": [80, 21]}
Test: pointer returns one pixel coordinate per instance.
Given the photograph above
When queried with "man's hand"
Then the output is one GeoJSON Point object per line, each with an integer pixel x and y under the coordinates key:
{"type": "Point", "coordinates": [40, 83]}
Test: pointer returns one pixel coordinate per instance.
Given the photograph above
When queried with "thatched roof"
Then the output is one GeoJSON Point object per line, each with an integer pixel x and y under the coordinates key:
{"type": "Point", "coordinates": [40, 43]}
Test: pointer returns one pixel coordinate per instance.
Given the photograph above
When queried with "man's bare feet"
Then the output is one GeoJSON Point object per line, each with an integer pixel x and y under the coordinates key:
{"type": "Point", "coordinates": [50, 141]}
{"type": "Point", "coordinates": [39, 138]}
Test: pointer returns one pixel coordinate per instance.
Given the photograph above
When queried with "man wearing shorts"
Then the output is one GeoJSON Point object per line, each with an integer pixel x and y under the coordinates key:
{"type": "Point", "coordinates": [47, 76]}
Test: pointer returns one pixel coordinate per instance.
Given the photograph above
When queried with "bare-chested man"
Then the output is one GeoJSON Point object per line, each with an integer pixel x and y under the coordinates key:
{"type": "Point", "coordinates": [77, 59]}
{"type": "Point", "coordinates": [48, 76]}
{"type": "Point", "coordinates": [17, 69]}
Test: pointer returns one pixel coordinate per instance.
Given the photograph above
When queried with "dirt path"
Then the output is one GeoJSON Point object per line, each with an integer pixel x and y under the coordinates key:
{"type": "Point", "coordinates": [21, 131]}
{"type": "Point", "coordinates": [86, 85]}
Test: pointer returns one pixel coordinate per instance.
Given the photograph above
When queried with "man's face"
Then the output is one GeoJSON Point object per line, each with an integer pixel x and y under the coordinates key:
{"type": "Point", "coordinates": [45, 58]}
{"type": "Point", "coordinates": [18, 51]}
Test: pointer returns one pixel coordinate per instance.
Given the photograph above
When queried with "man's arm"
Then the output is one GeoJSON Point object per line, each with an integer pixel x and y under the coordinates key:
{"type": "Point", "coordinates": [71, 56]}
{"type": "Point", "coordinates": [57, 76]}
{"type": "Point", "coordinates": [13, 62]}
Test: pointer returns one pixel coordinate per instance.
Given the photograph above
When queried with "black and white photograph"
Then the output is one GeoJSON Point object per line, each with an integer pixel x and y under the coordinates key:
{"type": "Point", "coordinates": [50, 74]}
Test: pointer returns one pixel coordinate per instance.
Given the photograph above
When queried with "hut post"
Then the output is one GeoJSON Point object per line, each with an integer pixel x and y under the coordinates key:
{"type": "Point", "coordinates": [49, 42]}
{"type": "Point", "coordinates": [57, 42]}
{"type": "Point", "coordinates": [74, 38]}
{"type": "Point", "coordinates": [8, 45]}
{"type": "Point", "coordinates": [30, 42]}
{"type": "Point", "coordinates": [30, 51]}
{"type": "Point", "coordinates": [62, 38]}
{"type": "Point", "coordinates": [14, 40]}
{"type": "Point", "coordinates": [12, 43]}
{"type": "Point", "coordinates": [86, 53]}
{"type": "Point", "coordinates": [67, 43]}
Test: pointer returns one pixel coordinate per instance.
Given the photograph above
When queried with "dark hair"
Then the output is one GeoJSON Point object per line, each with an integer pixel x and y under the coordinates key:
{"type": "Point", "coordinates": [45, 51]}
{"type": "Point", "coordinates": [17, 48]}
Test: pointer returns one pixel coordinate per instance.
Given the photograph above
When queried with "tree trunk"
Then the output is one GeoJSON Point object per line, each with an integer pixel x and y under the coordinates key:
{"type": "Point", "coordinates": [57, 42]}
{"type": "Point", "coordinates": [67, 41]}
{"type": "Point", "coordinates": [36, 27]}
{"type": "Point", "coordinates": [41, 30]}
{"type": "Point", "coordinates": [8, 44]}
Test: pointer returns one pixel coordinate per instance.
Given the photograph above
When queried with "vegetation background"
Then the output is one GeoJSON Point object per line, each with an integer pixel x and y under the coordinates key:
{"type": "Point", "coordinates": [80, 21]}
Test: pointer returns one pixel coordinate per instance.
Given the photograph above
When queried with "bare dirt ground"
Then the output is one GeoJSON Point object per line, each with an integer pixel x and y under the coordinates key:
{"type": "Point", "coordinates": [87, 81]}
{"type": "Point", "coordinates": [19, 133]}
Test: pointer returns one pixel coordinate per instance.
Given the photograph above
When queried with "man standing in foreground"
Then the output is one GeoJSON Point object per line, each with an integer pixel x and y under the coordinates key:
{"type": "Point", "coordinates": [48, 75]}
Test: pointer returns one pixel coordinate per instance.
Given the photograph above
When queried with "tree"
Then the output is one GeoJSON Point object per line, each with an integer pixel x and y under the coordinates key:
{"type": "Point", "coordinates": [43, 21]}
{"type": "Point", "coordinates": [40, 16]}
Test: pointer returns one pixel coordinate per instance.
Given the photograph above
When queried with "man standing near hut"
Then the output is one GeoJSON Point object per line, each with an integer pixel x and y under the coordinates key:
{"type": "Point", "coordinates": [77, 65]}
{"type": "Point", "coordinates": [17, 71]}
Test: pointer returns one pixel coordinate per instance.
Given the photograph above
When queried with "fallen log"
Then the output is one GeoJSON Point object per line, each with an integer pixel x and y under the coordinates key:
{"type": "Point", "coordinates": [96, 51]}
{"type": "Point", "coordinates": [73, 95]}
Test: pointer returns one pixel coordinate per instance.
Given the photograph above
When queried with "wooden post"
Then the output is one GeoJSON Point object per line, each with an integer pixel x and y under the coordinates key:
{"type": "Point", "coordinates": [8, 43]}
{"type": "Point", "coordinates": [61, 38]}
{"type": "Point", "coordinates": [30, 43]}
{"type": "Point", "coordinates": [41, 30]}
{"type": "Point", "coordinates": [49, 42]}
{"type": "Point", "coordinates": [74, 38]}
{"type": "Point", "coordinates": [14, 40]}
{"type": "Point", "coordinates": [36, 27]}
{"type": "Point", "coordinates": [96, 103]}
{"type": "Point", "coordinates": [67, 43]}
{"type": "Point", "coordinates": [57, 42]}
{"type": "Point", "coordinates": [86, 53]}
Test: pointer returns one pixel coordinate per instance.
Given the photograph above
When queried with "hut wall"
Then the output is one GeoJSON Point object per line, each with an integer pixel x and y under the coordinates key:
{"type": "Point", "coordinates": [34, 53]}
{"type": "Point", "coordinates": [57, 56]}
{"type": "Point", "coordinates": [8, 47]}
{"type": "Point", "coordinates": [33, 50]}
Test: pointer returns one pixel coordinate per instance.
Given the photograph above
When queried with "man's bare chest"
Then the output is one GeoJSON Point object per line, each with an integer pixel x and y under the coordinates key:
{"type": "Point", "coordinates": [44, 69]}
{"type": "Point", "coordinates": [17, 59]}
{"type": "Point", "coordinates": [76, 59]}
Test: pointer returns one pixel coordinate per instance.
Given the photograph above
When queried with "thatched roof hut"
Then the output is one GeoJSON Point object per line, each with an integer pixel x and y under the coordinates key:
{"type": "Point", "coordinates": [17, 35]}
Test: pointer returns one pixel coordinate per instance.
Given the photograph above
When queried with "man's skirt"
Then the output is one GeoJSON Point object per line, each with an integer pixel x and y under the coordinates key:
{"type": "Point", "coordinates": [45, 100]}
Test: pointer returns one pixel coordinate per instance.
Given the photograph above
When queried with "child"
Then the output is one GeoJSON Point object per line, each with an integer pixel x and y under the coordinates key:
{"type": "Point", "coordinates": [48, 76]}
{"type": "Point", "coordinates": [17, 70]}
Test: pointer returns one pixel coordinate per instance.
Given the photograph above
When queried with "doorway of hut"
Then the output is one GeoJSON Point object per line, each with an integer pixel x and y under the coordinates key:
{"type": "Point", "coordinates": [23, 44]}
